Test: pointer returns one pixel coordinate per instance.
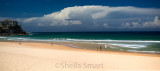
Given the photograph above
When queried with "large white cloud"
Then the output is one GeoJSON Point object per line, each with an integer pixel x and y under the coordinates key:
{"type": "Point", "coordinates": [96, 18]}
{"type": "Point", "coordinates": [93, 15]}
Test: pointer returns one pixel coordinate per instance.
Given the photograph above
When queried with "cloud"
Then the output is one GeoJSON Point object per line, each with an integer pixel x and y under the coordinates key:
{"type": "Point", "coordinates": [95, 18]}
{"type": "Point", "coordinates": [148, 24]}
{"type": "Point", "coordinates": [90, 15]}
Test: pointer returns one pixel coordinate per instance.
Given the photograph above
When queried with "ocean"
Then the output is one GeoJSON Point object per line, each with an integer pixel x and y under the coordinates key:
{"type": "Point", "coordinates": [148, 42]}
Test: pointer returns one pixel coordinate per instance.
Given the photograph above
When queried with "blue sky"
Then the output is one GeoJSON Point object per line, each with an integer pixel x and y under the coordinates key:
{"type": "Point", "coordinates": [83, 15]}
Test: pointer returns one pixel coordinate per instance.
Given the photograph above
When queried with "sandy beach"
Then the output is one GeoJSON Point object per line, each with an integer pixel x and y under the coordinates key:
{"type": "Point", "coordinates": [29, 56]}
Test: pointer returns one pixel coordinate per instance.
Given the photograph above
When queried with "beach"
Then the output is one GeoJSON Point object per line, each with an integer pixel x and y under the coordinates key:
{"type": "Point", "coordinates": [78, 35]}
{"type": "Point", "coordinates": [31, 56]}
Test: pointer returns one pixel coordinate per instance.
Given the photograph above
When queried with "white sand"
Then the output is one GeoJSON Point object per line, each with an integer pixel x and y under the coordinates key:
{"type": "Point", "coordinates": [26, 57]}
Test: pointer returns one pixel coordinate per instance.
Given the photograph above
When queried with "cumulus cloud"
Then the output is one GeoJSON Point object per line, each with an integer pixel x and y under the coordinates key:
{"type": "Point", "coordinates": [98, 17]}
{"type": "Point", "coordinates": [148, 24]}
{"type": "Point", "coordinates": [89, 15]}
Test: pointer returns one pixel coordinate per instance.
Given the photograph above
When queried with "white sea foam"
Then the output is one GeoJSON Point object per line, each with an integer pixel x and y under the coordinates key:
{"type": "Point", "coordinates": [83, 40]}
{"type": "Point", "coordinates": [139, 41]}
{"type": "Point", "coordinates": [17, 38]}
{"type": "Point", "coordinates": [1, 37]}
{"type": "Point", "coordinates": [144, 51]}
{"type": "Point", "coordinates": [130, 45]}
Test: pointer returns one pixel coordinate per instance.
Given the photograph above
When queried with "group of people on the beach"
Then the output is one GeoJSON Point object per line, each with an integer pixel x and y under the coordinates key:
{"type": "Point", "coordinates": [100, 48]}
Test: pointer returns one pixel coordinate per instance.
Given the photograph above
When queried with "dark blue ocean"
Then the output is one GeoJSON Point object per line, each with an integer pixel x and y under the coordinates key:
{"type": "Point", "coordinates": [130, 41]}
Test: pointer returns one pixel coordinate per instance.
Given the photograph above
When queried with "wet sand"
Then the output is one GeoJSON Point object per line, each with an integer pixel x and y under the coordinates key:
{"type": "Point", "coordinates": [30, 56]}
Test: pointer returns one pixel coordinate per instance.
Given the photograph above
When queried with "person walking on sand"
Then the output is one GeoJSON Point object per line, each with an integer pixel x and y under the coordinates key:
{"type": "Point", "coordinates": [19, 43]}
{"type": "Point", "coordinates": [51, 43]}
{"type": "Point", "coordinates": [97, 48]}
{"type": "Point", "coordinates": [100, 48]}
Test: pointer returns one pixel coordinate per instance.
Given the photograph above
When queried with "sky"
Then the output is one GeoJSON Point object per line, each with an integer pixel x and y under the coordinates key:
{"type": "Point", "coordinates": [83, 15]}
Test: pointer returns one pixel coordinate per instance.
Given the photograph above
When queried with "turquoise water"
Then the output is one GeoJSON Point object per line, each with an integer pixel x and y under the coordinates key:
{"type": "Point", "coordinates": [128, 41]}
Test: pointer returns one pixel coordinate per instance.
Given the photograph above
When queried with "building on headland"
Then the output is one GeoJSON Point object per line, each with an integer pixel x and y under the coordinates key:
{"type": "Point", "coordinates": [10, 27]}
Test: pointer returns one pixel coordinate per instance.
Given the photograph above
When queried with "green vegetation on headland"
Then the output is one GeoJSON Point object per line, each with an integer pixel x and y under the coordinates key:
{"type": "Point", "coordinates": [10, 27]}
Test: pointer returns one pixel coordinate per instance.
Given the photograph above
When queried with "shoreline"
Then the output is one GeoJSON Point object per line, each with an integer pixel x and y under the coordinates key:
{"type": "Point", "coordinates": [127, 46]}
{"type": "Point", "coordinates": [72, 46]}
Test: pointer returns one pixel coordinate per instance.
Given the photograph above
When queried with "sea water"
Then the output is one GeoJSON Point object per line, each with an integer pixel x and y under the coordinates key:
{"type": "Point", "coordinates": [128, 41]}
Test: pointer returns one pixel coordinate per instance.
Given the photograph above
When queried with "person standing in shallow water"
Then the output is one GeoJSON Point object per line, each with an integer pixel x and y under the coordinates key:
{"type": "Point", "coordinates": [106, 46]}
